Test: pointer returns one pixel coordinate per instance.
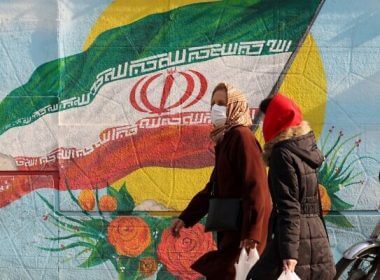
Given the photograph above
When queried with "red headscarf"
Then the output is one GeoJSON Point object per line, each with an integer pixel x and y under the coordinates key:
{"type": "Point", "coordinates": [282, 113]}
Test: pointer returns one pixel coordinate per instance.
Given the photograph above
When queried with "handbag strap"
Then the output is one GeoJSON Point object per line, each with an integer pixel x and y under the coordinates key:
{"type": "Point", "coordinates": [214, 177]}
{"type": "Point", "coordinates": [212, 194]}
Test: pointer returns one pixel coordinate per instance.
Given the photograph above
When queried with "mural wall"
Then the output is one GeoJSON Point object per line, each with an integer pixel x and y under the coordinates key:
{"type": "Point", "coordinates": [104, 122]}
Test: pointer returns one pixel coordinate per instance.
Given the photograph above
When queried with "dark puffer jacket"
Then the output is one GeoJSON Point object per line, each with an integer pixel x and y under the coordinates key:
{"type": "Point", "coordinates": [296, 228]}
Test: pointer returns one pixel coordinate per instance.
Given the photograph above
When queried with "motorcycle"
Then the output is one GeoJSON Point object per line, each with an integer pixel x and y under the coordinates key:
{"type": "Point", "coordinates": [362, 260]}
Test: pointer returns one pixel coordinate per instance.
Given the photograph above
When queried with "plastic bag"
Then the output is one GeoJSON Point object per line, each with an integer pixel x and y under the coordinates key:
{"type": "Point", "coordinates": [288, 276]}
{"type": "Point", "coordinates": [245, 263]}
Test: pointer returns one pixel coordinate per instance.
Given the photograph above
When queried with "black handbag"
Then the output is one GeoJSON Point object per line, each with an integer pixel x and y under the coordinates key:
{"type": "Point", "coordinates": [224, 214]}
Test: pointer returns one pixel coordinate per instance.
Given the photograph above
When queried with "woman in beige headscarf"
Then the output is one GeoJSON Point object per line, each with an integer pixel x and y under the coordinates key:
{"type": "Point", "coordinates": [238, 173]}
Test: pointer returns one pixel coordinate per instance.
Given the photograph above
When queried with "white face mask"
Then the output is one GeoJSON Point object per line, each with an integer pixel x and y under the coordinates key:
{"type": "Point", "coordinates": [218, 114]}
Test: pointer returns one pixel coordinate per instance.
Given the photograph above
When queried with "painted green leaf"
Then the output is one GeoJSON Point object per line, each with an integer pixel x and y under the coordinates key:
{"type": "Point", "coordinates": [338, 204]}
{"type": "Point", "coordinates": [128, 202]}
{"type": "Point", "coordinates": [69, 246]}
{"type": "Point", "coordinates": [102, 252]}
{"type": "Point", "coordinates": [128, 268]}
{"type": "Point", "coordinates": [164, 274]}
{"type": "Point", "coordinates": [162, 225]}
{"type": "Point", "coordinates": [75, 235]}
{"type": "Point", "coordinates": [125, 202]}
{"type": "Point", "coordinates": [339, 220]}
{"type": "Point", "coordinates": [97, 202]}
{"type": "Point", "coordinates": [97, 226]}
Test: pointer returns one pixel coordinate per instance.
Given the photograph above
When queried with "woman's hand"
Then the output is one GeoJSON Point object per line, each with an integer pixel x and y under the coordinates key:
{"type": "Point", "coordinates": [289, 265]}
{"type": "Point", "coordinates": [176, 227]}
{"type": "Point", "coordinates": [248, 244]}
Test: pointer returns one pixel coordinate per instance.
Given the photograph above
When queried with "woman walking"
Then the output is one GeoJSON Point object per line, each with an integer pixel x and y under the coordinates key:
{"type": "Point", "coordinates": [238, 173]}
{"type": "Point", "coordinates": [297, 239]}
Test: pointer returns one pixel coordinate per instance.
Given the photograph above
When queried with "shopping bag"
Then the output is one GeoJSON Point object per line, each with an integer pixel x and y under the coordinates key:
{"type": "Point", "coordinates": [288, 276]}
{"type": "Point", "coordinates": [245, 263]}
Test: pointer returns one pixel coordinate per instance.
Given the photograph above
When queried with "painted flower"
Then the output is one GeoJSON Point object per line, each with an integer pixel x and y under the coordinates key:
{"type": "Point", "coordinates": [178, 253]}
{"type": "Point", "coordinates": [129, 235]}
{"type": "Point", "coordinates": [148, 266]}
{"type": "Point", "coordinates": [107, 203]}
{"type": "Point", "coordinates": [86, 200]}
{"type": "Point", "coordinates": [325, 200]}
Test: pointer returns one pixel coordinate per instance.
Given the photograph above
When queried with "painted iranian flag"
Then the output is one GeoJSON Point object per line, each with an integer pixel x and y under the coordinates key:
{"type": "Point", "coordinates": [140, 95]}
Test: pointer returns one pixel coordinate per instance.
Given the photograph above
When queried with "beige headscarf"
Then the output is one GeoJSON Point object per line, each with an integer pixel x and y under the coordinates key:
{"type": "Point", "coordinates": [237, 113]}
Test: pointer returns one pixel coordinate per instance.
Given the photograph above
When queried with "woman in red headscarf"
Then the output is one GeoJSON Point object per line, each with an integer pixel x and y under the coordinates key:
{"type": "Point", "coordinates": [297, 237]}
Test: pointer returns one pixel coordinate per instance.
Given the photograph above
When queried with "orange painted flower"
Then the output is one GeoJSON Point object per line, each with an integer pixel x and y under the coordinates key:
{"type": "Point", "coordinates": [86, 200]}
{"type": "Point", "coordinates": [129, 235]}
{"type": "Point", "coordinates": [148, 266]}
{"type": "Point", "coordinates": [178, 254]}
{"type": "Point", "coordinates": [325, 200]}
{"type": "Point", "coordinates": [107, 203]}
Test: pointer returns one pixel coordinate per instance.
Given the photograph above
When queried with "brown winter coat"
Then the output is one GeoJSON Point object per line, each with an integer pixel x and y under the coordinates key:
{"type": "Point", "coordinates": [296, 228]}
{"type": "Point", "coordinates": [239, 173]}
